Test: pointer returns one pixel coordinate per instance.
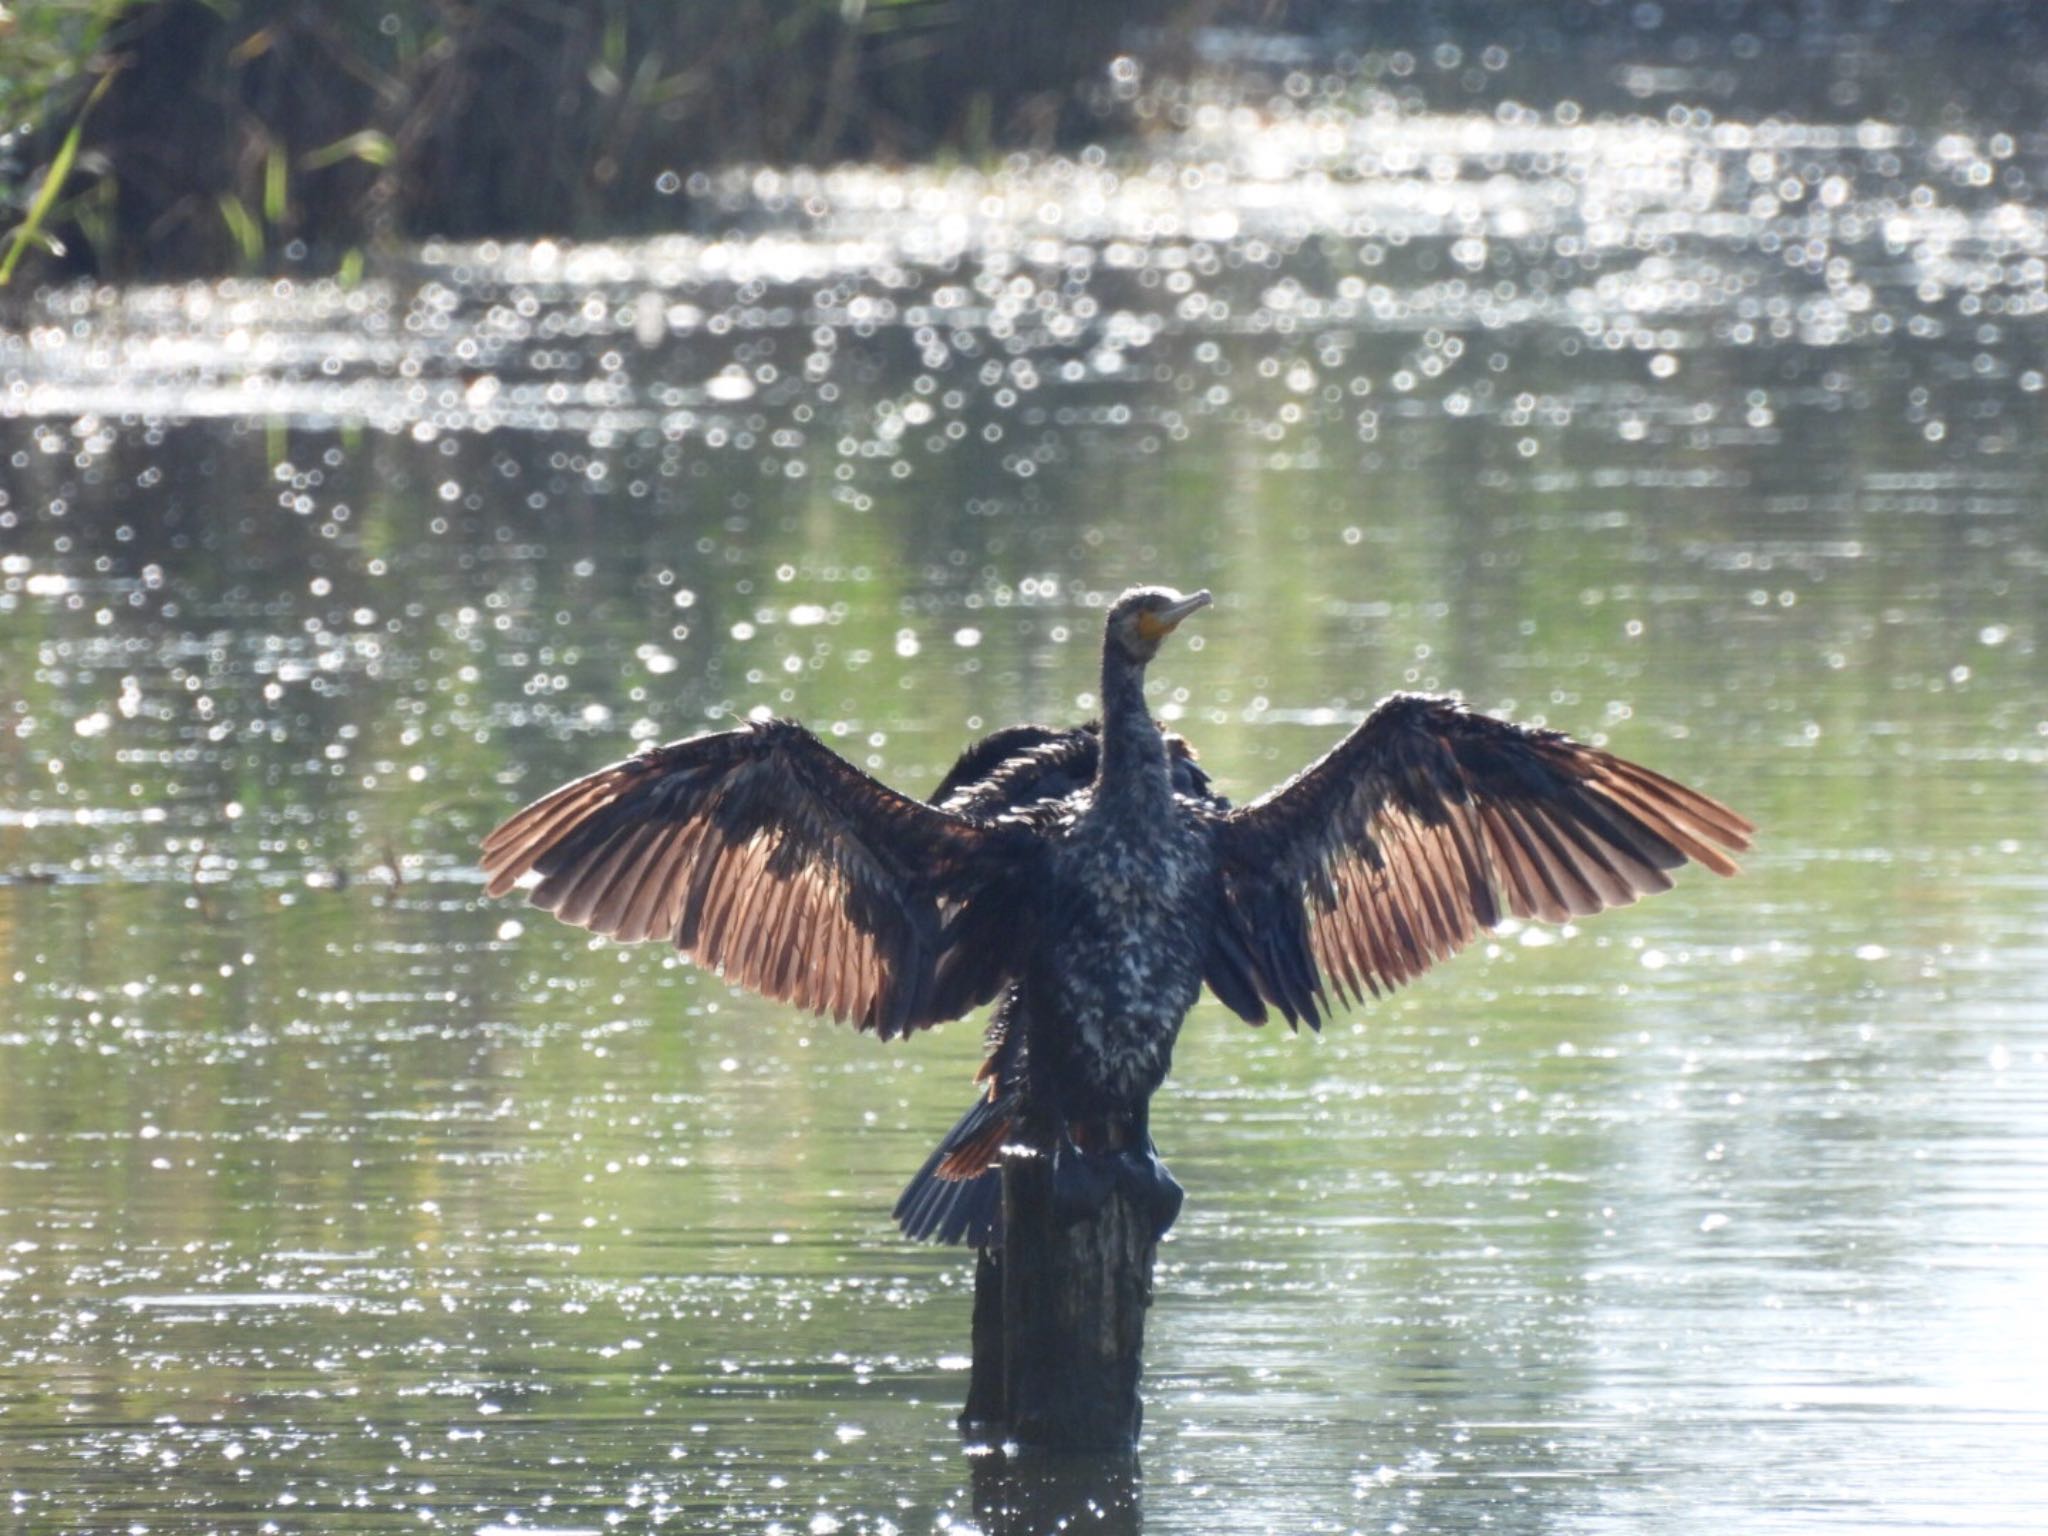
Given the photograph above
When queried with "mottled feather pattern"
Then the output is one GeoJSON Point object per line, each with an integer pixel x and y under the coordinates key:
{"type": "Point", "coordinates": [1041, 778]}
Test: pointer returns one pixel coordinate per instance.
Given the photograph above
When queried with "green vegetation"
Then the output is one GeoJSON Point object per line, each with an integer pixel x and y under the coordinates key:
{"type": "Point", "coordinates": [44, 44]}
{"type": "Point", "coordinates": [166, 137]}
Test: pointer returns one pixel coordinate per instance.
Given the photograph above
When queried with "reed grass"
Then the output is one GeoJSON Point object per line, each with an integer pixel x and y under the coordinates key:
{"type": "Point", "coordinates": [180, 137]}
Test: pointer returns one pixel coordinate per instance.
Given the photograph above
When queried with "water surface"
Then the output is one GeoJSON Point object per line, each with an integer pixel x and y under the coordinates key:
{"type": "Point", "coordinates": [333, 1197]}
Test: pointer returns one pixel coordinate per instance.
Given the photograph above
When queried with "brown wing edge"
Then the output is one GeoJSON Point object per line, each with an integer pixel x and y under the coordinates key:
{"type": "Point", "coordinates": [764, 856]}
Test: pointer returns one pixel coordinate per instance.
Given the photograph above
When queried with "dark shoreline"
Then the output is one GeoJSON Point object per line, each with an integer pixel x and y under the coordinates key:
{"type": "Point", "coordinates": [279, 136]}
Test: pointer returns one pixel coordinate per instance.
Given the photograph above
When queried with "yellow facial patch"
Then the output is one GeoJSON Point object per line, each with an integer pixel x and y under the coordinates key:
{"type": "Point", "coordinates": [1152, 626]}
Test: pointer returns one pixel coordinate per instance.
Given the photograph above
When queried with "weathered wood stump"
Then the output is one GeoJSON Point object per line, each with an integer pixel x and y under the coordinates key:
{"type": "Point", "coordinates": [1059, 1320]}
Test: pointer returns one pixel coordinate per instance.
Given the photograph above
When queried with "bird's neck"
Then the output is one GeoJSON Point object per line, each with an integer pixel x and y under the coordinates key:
{"type": "Point", "coordinates": [1134, 766]}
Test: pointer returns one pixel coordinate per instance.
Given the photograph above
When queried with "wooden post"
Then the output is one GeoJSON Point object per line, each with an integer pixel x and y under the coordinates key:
{"type": "Point", "coordinates": [1059, 1320]}
{"type": "Point", "coordinates": [984, 1416]}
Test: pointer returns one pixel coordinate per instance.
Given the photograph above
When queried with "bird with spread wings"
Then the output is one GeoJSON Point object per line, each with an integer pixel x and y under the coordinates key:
{"type": "Point", "coordinates": [1094, 881]}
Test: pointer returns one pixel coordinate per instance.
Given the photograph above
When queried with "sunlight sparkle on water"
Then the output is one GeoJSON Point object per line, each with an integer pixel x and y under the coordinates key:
{"type": "Point", "coordinates": [338, 1195]}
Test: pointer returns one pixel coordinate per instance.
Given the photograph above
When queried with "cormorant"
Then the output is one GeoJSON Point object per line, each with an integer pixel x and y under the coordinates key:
{"type": "Point", "coordinates": [1097, 899]}
{"type": "Point", "coordinates": [956, 1197]}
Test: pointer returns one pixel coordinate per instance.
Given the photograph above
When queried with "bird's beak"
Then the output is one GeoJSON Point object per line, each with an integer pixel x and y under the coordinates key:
{"type": "Point", "coordinates": [1170, 617]}
{"type": "Point", "coordinates": [1160, 623]}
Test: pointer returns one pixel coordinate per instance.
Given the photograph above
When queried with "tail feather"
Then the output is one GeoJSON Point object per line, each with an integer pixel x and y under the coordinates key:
{"type": "Point", "coordinates": [969, 1157]}
{"type": "Point", "coordinates": [957, 1196]}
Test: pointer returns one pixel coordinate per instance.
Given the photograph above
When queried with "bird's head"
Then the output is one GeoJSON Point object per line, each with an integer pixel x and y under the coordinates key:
{"type": "Point", "coordinates": [1144, 616]}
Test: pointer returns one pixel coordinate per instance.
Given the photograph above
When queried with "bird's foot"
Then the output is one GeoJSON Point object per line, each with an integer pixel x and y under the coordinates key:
{"type": "Point", "coordinates": [1154, 1190]}
{"type": "Point", "coordinates": [1081, 1183]}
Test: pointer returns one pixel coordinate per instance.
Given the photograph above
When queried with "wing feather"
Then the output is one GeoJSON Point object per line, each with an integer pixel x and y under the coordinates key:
{"type": "Point", "coordinates": [576, 890]}
{"type": "Point", "coordinates": [1676, 821]}
{"type": "Point", "coordinates": [1340, 951]}
{"type": "Point", "coordinates": [783, 940]}
{"type": "Point", "coordinates": [1418, 831]}
{"type": "Point", "coordinates": [1562, 870]}
{"type": "Point", "coordinates": [763, 855]}
{"type": "Point", "coordinates": [648, 911]}
{"type": "Point", "coordinates": [840, 974]}
{"type": "Point", "coordinates": [1528, 896]}
{"type": "Point", "coordinates": [1590, 858]}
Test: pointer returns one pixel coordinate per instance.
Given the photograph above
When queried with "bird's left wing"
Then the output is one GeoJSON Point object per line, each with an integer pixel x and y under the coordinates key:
{"type": "Point", "coordinates": [1022, 764]}
{"type": "Point", "coordinates": [762, 853]}
{"type": "Point", "coordinates": [1423, 827]}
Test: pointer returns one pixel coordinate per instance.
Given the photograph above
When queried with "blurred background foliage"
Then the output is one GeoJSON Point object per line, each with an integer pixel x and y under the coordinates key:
{"type": "Point", "coordinates": [163, 138]}
{"type": "Point", "coordinates": [263, 134]}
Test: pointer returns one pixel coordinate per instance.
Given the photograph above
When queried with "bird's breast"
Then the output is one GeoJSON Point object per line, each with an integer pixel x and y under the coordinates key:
{"type": "Point", "coordinates": [1129, 966]}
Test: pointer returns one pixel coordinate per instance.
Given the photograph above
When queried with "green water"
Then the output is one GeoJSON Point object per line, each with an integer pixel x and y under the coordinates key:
{"type": "Point", "coordinates": [333, 1197]}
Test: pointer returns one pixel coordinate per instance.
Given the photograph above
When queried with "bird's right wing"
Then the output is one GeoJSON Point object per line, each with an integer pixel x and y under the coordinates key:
{"type": "Point", "coordinates": [763, 854]}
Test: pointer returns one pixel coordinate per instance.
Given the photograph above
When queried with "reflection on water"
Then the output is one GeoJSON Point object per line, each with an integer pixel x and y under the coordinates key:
{"type": "Point", "coordinates": [331, 1197]}
{"type": "Point", "coordinates": [1023, 1495]}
